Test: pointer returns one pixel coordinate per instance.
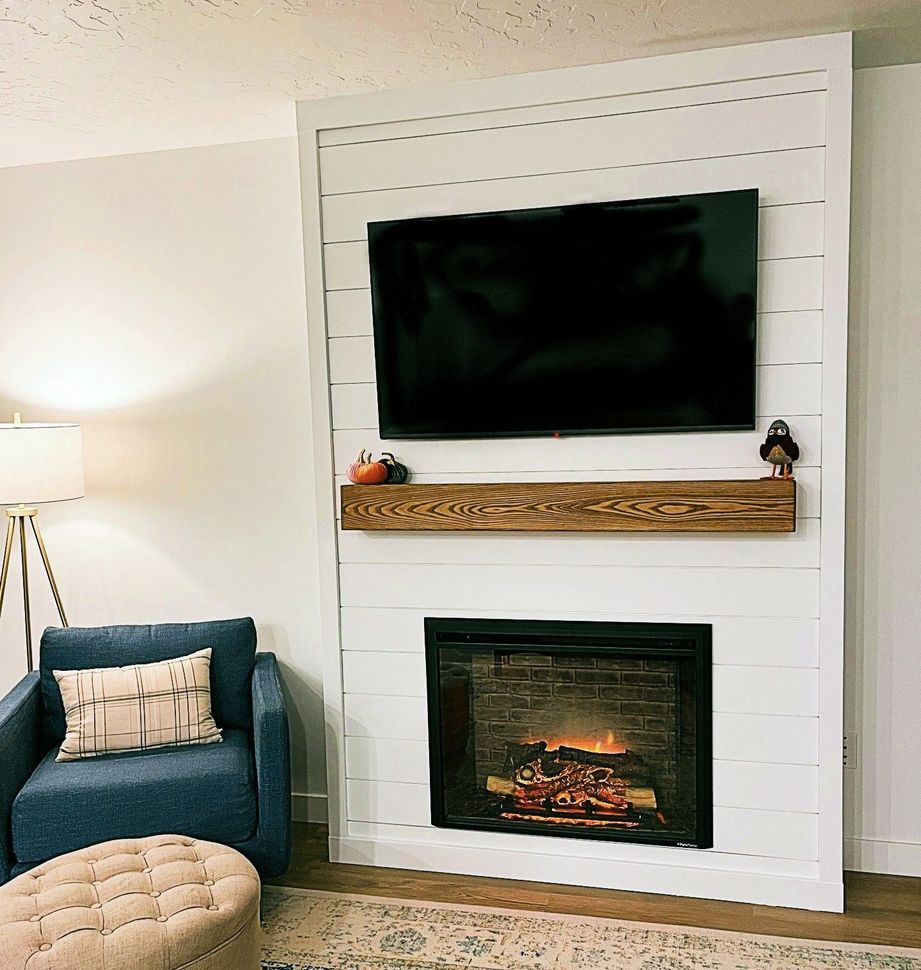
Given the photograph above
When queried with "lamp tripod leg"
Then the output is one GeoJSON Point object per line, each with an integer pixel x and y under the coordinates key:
{"type": "Point", "coordinates": [37, 532]}
{"type": "Point", "coordinates": [25, 591]}
{"type": "Point", "coordinates": [7, 551]}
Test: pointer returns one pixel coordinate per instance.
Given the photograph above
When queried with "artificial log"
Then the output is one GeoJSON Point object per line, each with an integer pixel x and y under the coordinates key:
{"type": "Point", "coordinates": [626, 763]}
{"type": "Point", "coordinates": [641, 797]}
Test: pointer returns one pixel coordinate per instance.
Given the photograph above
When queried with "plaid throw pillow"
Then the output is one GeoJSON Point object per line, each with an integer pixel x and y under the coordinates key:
{"type": "Point", "coordinates": [158, 705]}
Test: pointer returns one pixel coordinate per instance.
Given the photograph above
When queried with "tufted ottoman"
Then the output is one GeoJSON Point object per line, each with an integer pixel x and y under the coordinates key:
{"type": "Point", "coordinates": [134, 904]}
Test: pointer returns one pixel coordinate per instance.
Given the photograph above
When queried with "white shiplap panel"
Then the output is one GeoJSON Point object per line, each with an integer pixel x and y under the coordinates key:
{"type": "Point", "coordinates": [746, 641]}
{"type": "Point", "coordinates": [351, 359]}
{"type": "Point", "coordinates": [790, 284]}
{"type": "Point", "coordinates": [384, 674]}
{"type": "Point", "coordinates": [388, 801]}
{"type": "Point", "coordinates": [781, 389]}
{"type": "Point", "coordinates": [766, 690]}
{"type": "Point", "coordinates": [799, 549]}
{"type": "Point", "coordinates": [782, 178]}
{"type": "Point", "coordinates": [717, 592]}
{"type": "Point", "coordinates": [774, 787]}
{"type": "Point", "coordinates": [354, 405]}
{"type": "Point", "coordinates": [788, 337]}
{"type": "Point", "coordinates": [791, 230]}
{"type": "Point", "coordinates": [789, 389]}
{"type": "Point", "coordinates": [402, 675]}
{"type": "Point", "coordinates": [786, 835]}
{"type": "Point", "coordinates": [672, 134]}
{"type": "Point", "coordinates": [766, 737]}
{"type": "Point", "coordinates": [736, 784]}
{"type": "Point", "coordinates": [348, 313]}
{"type": "Point", "coordinates": [785, 232]}
{"type": "Point", "coordinates": [346, 265]}
{"type": "Point", "coordinates": [368, 759]}
{"type": "Point", "coordinates": [740, 90]}
{"type": "Point", "coordinates": [373, 716]}
{"type": "Point", "coordinates": [784, 282]}
{"type": "Point", "coordinates": [432, 838]}
{"type": "Point", "coordinates": [653, 452]}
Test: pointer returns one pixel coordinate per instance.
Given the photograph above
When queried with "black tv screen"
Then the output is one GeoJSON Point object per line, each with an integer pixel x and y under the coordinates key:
{"type": "Point", "coordinates": [601, 318]}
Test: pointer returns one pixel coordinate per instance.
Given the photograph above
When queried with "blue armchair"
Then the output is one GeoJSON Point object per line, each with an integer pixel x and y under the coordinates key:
{"type": "Point", "coordinates": [237, 792]}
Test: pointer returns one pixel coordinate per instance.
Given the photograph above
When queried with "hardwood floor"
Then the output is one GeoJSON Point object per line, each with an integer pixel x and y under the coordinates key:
{"type": "Point", "coordinates": [880, 909]}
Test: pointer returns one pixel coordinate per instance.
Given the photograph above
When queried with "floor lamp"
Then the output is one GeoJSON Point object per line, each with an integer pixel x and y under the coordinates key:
{"type": "Point", "coordinates": [38, 463]}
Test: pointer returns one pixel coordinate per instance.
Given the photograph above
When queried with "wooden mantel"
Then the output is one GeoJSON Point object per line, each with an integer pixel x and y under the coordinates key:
{"type": "Point", "coordinates": [757, 505]}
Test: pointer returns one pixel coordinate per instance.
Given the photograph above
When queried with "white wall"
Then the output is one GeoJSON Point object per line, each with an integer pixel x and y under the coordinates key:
{"type": "Point", "coordinates": [884, 475]}
{"type": "Point", "coordinates": [775, 116]}
{"type": "Point", "coordinates": [159, 300]}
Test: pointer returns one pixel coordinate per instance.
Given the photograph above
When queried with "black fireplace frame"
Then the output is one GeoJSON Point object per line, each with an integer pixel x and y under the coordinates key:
{"type": "Point", "coordinates": [677, 641]}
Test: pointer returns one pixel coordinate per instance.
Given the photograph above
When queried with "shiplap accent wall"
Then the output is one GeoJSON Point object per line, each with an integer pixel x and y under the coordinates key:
{"type": "Point", "coordinates": [773, 116]}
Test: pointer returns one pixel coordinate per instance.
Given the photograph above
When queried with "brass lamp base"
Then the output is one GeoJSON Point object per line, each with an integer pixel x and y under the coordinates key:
{"type": "Point", "coordinates": [19, 514]}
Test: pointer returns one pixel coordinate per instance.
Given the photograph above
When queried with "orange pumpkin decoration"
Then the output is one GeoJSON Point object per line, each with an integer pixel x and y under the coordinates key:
{"type": "Point", "coordinates": [365, 471]}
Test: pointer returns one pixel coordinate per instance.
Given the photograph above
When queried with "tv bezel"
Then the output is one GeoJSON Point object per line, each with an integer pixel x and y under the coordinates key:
{"type": "Point", "coordinates": [568, 432]}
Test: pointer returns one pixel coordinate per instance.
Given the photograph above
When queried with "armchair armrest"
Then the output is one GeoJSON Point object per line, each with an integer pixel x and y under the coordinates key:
{"type": "Point", "coordinates": [20, 752]}
{"type": "Point", "coordinates": [273, 766]}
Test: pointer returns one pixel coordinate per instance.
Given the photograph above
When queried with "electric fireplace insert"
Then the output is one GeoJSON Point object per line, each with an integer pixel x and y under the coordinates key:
{"type": "Point", "coordinates": [581, 729]}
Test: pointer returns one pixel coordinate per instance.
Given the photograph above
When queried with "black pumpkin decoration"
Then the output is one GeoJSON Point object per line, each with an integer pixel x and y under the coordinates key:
{"type": "Point", "coordinates": [397, 473]}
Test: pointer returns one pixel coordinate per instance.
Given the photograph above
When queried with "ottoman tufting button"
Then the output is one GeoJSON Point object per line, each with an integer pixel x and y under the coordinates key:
{"type": "Point", "coordinates": [208, 882]}
{"type": "Point", "coordinates": [162, 919]}
{"type": "Point", "coordinates": [45, 946]}
{"type": "Point", "coordinates": [148, 869]}
{"type": "Point", "coordinates": [155, 893]}
{"type": "Point", "coordinates": [96, 906]}
{"type": "Point", "coordinates": [106, 932]}
{"type": "Point", "coordinates": [213, 908]}
{"type": "Point", "coordinates": [35, 919]}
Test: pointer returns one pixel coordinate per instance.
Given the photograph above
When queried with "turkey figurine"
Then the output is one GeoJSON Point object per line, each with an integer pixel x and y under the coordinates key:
{"type": "Point", "coordinates": [780, 450]}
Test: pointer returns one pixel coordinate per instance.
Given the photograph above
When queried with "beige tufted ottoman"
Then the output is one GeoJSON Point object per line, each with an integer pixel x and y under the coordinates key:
{"type": "Point", "coordinates": [134, 904]}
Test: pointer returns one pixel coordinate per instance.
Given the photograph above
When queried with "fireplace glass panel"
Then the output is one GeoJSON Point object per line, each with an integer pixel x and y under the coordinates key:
{"type": "Point", "coordinates": [555, 729]}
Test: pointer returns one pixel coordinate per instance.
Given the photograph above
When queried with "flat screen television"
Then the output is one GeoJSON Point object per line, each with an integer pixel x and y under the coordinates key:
{"type": "Point", "coordinates": [601, 318]}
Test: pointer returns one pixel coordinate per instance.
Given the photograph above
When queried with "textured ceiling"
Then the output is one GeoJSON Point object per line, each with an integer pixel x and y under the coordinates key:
{"type": "Point", "coordinates": [88, 77]}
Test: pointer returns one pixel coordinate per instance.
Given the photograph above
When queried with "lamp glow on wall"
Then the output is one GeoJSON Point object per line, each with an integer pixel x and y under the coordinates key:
{"type": "Point", "coordinates": [38, 463]}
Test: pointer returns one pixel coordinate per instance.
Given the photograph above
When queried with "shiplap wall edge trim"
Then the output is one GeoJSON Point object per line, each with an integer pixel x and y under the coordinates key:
{"type": "Point", "coordinates": [830, 54]}
{"type": "Point", "coordinates": [324, 477]}
{"type": "Point", "coordinates": [836, 269]}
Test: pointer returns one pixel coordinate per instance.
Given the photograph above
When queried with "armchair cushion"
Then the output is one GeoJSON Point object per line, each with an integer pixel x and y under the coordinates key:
{"type": "Point", "coordinates": [208, 792]}
{"type": "Point", "coordinates": [233, 652]}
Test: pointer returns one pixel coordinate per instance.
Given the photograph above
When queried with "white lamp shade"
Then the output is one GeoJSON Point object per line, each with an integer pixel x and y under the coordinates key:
{"type": "Point", "coordinates": [40, 463]}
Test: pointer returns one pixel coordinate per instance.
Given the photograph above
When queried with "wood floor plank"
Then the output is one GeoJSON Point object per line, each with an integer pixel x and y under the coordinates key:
{"type": "Point", "coordinates": [880, 909]}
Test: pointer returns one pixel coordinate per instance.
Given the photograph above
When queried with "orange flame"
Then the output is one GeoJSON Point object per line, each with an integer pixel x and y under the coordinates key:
{"type": "Point", "coordinates": [610, 745]}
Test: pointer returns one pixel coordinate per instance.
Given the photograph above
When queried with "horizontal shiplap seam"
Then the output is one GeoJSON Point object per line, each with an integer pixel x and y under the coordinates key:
{"type": "Point", "coordinates": [339, 137]}
{"type": "Point", "coordinates": [572, 171]}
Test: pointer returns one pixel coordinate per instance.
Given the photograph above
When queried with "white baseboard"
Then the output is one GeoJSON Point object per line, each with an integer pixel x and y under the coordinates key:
{"type": "Point", "coordinates": [664, 880]}
{"type": "Point", "coordinates": [877, 855]}
{"type": "Point", "coordinates": [309, 807]}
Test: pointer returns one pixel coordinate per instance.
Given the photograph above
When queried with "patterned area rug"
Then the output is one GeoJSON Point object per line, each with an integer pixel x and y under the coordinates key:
{"type": "Point", "coordinates": [327, 931]}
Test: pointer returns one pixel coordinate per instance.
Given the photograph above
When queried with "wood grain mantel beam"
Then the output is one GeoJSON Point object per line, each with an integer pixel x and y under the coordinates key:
{"type": "Point", "coordinates": [703, 506]}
